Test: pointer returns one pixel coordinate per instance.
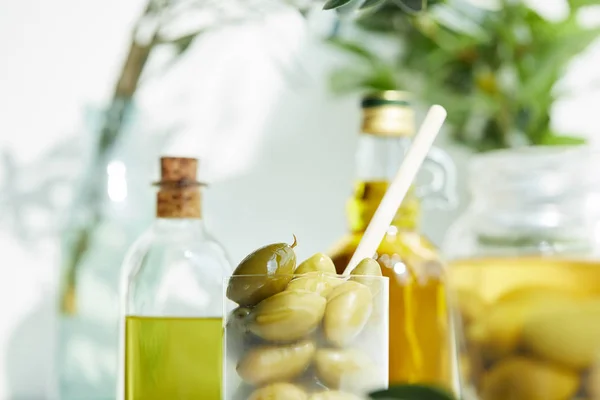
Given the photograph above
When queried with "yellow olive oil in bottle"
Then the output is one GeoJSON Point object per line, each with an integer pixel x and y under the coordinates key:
{"type": "Point", "coordinates": [171, 298]}
{"type": "Point", "coordinates": [419, 333]}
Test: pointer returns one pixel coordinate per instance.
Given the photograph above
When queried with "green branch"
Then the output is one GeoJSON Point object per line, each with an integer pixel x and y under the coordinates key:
{"type": "Point", "coordinates": [494, 70]}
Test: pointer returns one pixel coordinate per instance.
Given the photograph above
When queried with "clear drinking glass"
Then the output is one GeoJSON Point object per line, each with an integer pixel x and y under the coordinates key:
{"type": "Point", "coordinates": [323, 333]}
{"type": "Point", "coordinates": [525, 276]}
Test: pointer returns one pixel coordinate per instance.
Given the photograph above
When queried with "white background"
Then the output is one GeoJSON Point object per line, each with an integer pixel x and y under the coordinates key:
{"type": "Point", "coordinates": [57, 56]}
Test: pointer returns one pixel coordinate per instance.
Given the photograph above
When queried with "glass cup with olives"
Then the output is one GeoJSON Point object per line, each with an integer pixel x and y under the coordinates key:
{"type": "Point", "coordinates": [303, 332]}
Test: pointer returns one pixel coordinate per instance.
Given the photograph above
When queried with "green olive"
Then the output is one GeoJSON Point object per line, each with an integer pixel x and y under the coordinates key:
{"type": "Point", "coordinates": [368, 272]}
{"type": "Point", "coordinates": [270, 364]}
{"type": "Point", "coordinates": [263, 273]}
{"type": "Point", "coordinates": [334, 395]}
{"type": "Point", "coordinates": [349, 369]}
{"type": "Point", "coordinates": [288, 316]}
{"type": "Point", "coordinates": [238, 336]}
{"type": "Point", "coordinates": [279, 391]}
{"type": "Point", "coordinates": [367, 267]}
{"type": "Point", "coordinates": [315, 282]}
{"type": "Point", "coordinates": [317, 263]}
{"type": "Point", "coordinates": [349, 307]}
{"type": "Point", "coordinates": [522, 378]}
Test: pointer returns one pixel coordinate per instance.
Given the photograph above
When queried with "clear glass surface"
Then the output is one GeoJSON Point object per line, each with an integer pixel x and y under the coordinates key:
{"type": "Point", "coordinates": [525, 276]}
{"type": "Point", "coordinates": [175, 269]}
{"type": "Point", "coordinates": [172, 310]}
{"type": "Point", "coordinates": [98, 229]}
{"type": "Point", "coordinates": [333, 338]}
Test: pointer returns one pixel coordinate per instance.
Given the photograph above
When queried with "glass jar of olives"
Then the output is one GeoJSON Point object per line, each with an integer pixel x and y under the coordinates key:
{"type": "Point", "coordinates": [304, 333]}
{"type": "Point", "coordinates": [525, 276]}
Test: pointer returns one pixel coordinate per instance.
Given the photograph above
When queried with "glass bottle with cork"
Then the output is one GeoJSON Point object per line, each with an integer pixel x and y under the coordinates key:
{"type": "Point", "coordinates": [419, 350]}
{"type": "Point", "coordinates": [171, 298]}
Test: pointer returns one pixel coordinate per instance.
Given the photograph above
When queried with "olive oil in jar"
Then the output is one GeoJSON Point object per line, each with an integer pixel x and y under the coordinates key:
{"type": "Point", "coordinates": [530, 327]}
{"type": "Point", "coordinates": [419, 333]}
{"type": "Point", "coordinates": [419, 344]}
{"type": "Point", "coordinates": [173, 358]}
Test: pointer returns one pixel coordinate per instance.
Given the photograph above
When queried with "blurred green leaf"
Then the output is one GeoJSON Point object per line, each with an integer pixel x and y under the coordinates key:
{"type": "Point", "coordinates": [347, 80]}
{"type": "Point", "coordinates": [331, 4]}
{"type": "Point", "coordinates": [184, 42]}
{"type": "Point", "coordinates": [412, 6]}
{"type": "Point", "coordinates": [371, 3]}
{"type": "Point", "coordinates": [575, 4]}
{"type": "Point", "coordinates": [494, 70]}
{"type": "Point", "coordinates": [355, 49]}
{"type": "Point", "coordinates": [388, 18]}
{"type": "Point", "coordinates": [412, 392]}
{"type": "Point", "coordinates": [553, 61]}
{"type": "Point", "coordinates": [557, 140]}
{"type": "Point", "coordinates": [383, 78]}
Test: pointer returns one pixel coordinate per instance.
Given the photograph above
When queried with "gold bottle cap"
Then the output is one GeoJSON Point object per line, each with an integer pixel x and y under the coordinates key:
{"type": "Point", "coordinates": [388, 113]}
{"type": "Point", "coordinates": [179, 194]}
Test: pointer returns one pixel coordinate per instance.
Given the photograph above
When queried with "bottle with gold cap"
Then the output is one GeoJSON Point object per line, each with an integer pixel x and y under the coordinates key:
{"type": "Point", "coordinates": [419, 341]}
{"type": "Point", "coordinates": [171, 298]}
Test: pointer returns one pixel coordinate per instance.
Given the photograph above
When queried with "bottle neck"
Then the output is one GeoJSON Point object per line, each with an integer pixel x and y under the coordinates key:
{"type": "Point", "coordinates": [180, 230]}
{"type": "Point", "coordinates": [179, 224]}
{"type": "Point", "coordinates": [378, 159]}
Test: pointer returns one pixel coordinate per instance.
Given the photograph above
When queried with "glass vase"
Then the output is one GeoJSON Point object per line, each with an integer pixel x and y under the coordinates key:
{"type": "Point", "coordinates": [112, 206]}
{"type": "Point", "coordinates": [525, 276]}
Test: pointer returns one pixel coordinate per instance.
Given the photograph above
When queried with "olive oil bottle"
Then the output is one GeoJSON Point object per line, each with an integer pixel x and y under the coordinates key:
{"type": "Point", "coordinates": [171, 298]}
{"type": "Point", "coordinates": [419, 332]}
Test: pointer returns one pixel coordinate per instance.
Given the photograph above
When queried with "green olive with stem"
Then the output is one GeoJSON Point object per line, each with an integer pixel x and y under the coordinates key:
{"type": "Point", "coordinates": [262, 274]}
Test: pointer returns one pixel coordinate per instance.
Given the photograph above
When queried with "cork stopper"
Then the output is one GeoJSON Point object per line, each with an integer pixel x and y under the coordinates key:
{"type": "Point", "coordinates": [176, 169]}
{"type": "Point", "coordinates": [179, 191]}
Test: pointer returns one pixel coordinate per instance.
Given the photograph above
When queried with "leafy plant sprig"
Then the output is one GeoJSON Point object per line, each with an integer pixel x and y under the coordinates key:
{"type": "Point", "coordinates": [148, 34]}
{"type": "Point", "coordinates": [496, 71]}
{"type": "Point", "coordinates": [159, 26]}
{"type": "Point", "coordinates": [406, 5]}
